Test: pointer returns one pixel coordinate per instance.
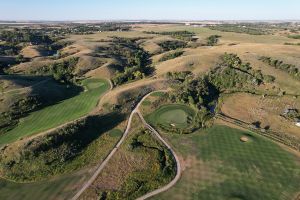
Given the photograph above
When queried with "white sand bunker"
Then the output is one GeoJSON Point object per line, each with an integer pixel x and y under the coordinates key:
{"type": "Point", "coordinates": [244, 139]}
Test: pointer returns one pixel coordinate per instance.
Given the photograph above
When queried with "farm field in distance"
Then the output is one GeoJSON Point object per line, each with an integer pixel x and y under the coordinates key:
{"type": "Point", "coordinates": [150, 110]}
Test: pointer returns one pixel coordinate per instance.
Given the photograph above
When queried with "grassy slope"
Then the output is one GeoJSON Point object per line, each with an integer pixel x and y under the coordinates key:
{"type": "Point", "coordinates": [55, 115]}
{"type": "Point", "coordinates": [219, 166]}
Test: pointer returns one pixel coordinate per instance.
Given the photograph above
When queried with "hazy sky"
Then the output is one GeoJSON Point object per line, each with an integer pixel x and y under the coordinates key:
{"type": "Point", "coordinates": [149, 9]}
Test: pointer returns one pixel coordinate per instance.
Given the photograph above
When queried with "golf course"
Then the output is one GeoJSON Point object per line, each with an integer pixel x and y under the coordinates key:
{"type": "Point", "coordinates": [60, 113]}
{"type": "Point", "coordinates": [155, 110]}
{"type": "Point", "coordinates": [218, 165]}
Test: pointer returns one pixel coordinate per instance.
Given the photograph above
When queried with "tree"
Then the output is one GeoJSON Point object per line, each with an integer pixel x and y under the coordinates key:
{"type": "Point", "coordinates": [138, 75]}
{"type": "Point", "coordinates": [213, 40]}
{"type": "Point", "coordinates": [20, 58]}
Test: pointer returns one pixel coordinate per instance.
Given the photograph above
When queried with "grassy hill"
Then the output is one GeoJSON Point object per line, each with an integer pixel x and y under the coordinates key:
{"type": "Point", "coordinates": [60, 113]}
{"type": "Point", "coordinates": [204, 78]}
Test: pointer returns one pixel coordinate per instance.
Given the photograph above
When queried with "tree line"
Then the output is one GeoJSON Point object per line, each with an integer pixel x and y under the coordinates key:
{"type": "Point", "coordinates": [202, 92]}
{"type": "Point", "coordinates": [293, 70]}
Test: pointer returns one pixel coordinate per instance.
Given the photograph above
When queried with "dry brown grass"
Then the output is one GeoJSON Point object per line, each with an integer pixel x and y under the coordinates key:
{"type": "Point", "coordinates": [151, 44]}
{"type": "Point", "coordinates": [252, 108]}
{"type": "Point", "coordinates": [202, 59]}
{"type": "Point", "coordinates": [103, 71]}
{"type": "Point", "coordinates": [118, 93]}
{"type": "Point", "coordinates": [31, 52]}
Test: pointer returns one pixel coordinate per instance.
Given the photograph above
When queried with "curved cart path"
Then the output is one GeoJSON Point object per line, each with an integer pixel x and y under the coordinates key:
{"type": "Point", "coordinates": [110, 155]}
{"type": "Point", "coordinates": [178, 166]}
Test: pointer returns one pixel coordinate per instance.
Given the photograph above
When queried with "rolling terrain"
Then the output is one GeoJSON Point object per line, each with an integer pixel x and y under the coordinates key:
{"type": "Point", "coordinates": [151, 111]}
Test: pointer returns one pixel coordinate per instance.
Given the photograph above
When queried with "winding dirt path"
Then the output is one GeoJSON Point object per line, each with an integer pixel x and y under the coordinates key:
{"type": "Point", "coordinates": [178, 166]}
{"type": "Point", "coordinates": [110, 155]}
{"type": "Point", "coordinates": [106, 160]}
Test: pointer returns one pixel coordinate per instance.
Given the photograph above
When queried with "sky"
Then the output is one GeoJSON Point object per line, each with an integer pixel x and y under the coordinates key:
{"type": "Point", "coordinates": [149, 10]}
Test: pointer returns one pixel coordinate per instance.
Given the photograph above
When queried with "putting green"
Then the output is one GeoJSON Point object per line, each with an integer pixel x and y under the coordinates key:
{"type": "Point", "coordinates": [176, 115]}
{"type": "Point", "coordinates": [58, 114]}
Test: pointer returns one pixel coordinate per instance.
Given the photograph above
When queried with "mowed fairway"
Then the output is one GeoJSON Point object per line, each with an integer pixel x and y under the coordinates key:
{"type": "Point", "coordinates": [218, 166]}
{"type": "Point", "coordinates": [175, 114]}
{"type": "Point", "coordinates": [58, 114]}
{"type": "Point", "coordinates": [62, 187]}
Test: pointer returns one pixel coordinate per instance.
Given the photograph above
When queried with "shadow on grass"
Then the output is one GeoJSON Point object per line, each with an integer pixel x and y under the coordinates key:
{"type": "Point", "coordinates": [53, 154]}
{"type": "Point", "coordinates": [80, 135]}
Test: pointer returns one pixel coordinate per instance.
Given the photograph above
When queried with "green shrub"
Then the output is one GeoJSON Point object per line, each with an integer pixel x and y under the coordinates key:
{"type": "Point", "coordinates": [294, 36]}
{"type": "Point", "coordinates": [213, 40]}
{"type": "Point", "coordinates": [240, 28]}
{"type": "Point", "coordinates": [170, 56]}
{"type": "Point", "coordinates": [61, 71]}
{"type": "Point", "coordinates": [172, 45]}
{"type": "Point", "coordinates": [180, 35]}
{"type": "Point", "coordinates": [278, 64]}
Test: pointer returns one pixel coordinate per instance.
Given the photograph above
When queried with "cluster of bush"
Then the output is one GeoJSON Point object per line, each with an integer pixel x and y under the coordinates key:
{"type": "Point", "coordinates": [180, 35]}
{"type": "Point", "coordinates": [172, 45]}
{"type": "Point", "coordinates": [179, 76]}
{"type": "Point", "coordinates": [196, 92]}
{"type": "Point", "coordinates": [233, 74]}
{"type": "Point", "coordinates": [55, 153]}
{"type": "Point", "coordinates": [213, 40]}
{"type": "Point", "coordinates": [9, 50]}
{"type": "Point", "coordinates": [240, 28]}
{"type": "Point", "coordinates": [278, 64]}
{"type": "Point", "coordinates": [295, 44]}
{"type": "Point", "coordinates": [136, 61]}
{"type": "Point", "coordinates": [18, 36]}
{"type": "Point", "coordinates": [171, 55]}
{"type": "Point", "coordinates": [86, 29]}
{"type": "Point", "coordinates": [61, 71]}
{"type": "Point", "coordinates": [294, 36]}
{"type": "Point", "coordinates": [202, 92]}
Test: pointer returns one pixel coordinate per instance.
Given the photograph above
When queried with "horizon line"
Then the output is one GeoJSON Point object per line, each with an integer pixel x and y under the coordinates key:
{"type": "Point", "coordinates": [146, 20]}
